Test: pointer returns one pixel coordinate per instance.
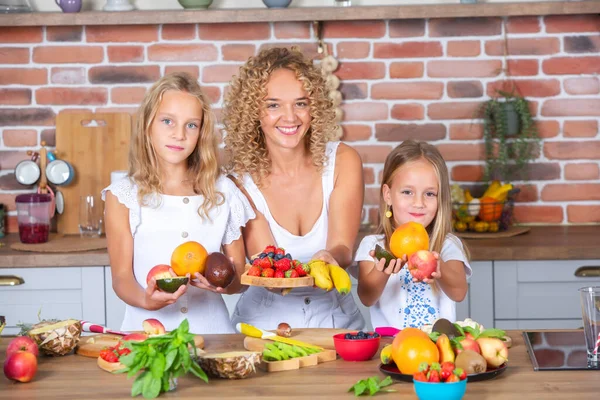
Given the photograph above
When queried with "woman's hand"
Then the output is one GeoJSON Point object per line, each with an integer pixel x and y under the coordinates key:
{"type": "Point", "coordinates": [324, 255]}
{"type": "Point", "coordinates": [155, 299]}
{"type": "Point", "coordinates": [437, 274]}
{"type": "Point", "coordinates": [200, 281]}
{"type": "Point", "coordinates": [393, 267]}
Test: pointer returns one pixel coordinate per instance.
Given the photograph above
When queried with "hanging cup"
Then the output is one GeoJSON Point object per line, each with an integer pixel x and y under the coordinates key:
{"type": "Point", "coordinates": [59, 172]}
{"type": "Point", "coordinates": [27, 172]}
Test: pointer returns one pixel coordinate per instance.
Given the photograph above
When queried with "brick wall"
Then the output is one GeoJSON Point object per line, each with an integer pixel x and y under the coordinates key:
{"type": "Point", "coordinates": [400, 79]}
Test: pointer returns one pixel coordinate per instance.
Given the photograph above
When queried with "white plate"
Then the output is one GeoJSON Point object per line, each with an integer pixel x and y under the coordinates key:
{"type": "Point", "coordinates": [60, 202]}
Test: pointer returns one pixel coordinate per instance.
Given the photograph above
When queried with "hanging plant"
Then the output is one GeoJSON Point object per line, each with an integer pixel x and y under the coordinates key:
{"type": "Point", "coordinates": [510, 135]}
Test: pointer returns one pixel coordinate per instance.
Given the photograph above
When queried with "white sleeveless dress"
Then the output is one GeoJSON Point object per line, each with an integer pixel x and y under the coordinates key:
{"type": "Point", "coordinates": [302, 307]}
{"type": "Point", "coordinates": [169, 222]}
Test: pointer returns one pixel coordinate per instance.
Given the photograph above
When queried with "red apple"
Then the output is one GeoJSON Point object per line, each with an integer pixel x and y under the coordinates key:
{"type": "Point", "coordinates": [20, 366]}
{"type": "Point", "coordinates": [153, 326]}
{"type": "Point", "coordinates": [422, 264]}
{"type": "Point", "coordinates": [22, 343]}
{"type": "Point", "coordinates": [494, 351]}
{"type": "Point", "coordinates": [159, 271]}
{"type": "Point", "coordinates": [135, 337]}
{"type": "Point", "coordinates": [468, 344]}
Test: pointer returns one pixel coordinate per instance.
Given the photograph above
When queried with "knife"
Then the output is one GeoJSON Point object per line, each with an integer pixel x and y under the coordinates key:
{"type": "Point", "coordinates": [87, 326]}
{"type": "Point", "coordinates": [255, 332]}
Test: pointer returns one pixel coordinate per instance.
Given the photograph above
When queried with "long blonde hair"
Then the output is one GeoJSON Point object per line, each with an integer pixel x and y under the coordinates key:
{"type": "Point", "coordinates": [203, 166]}
{"type": "Point", "coordinates": [244, 140]}
{"type": "Point", "coordinates": [441, 225]}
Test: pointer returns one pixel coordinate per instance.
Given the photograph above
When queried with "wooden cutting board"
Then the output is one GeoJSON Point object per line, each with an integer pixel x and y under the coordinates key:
{"type": "Point", "coordinates": [322, 337]}
{"type": "Point", "coordinates": [94, 149]}
{"type": "Point", "coordinates": [90, 346]}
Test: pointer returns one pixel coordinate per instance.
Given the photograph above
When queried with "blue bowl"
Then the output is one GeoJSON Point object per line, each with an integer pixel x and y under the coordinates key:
{"type": "Point", "coordinates": [437, 391]}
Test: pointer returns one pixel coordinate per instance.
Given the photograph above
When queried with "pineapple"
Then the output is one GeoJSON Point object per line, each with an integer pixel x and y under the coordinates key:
{"type": "Point", "coordinates": [231, 365]}
{"type": "Point", "coordinates": [56, 338]}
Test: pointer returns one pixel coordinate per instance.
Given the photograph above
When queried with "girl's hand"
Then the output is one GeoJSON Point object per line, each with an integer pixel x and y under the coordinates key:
{"type": "Point", "coordinates": [326, 256]}
{"type": "Point", "coordinates": [435, 275]}
{"type": "Point", "coordinates": [200, 281]}
{"type": "Point", "coordinates": [393, 267]}
{"type": "Point", "coordinates": [155, 299]}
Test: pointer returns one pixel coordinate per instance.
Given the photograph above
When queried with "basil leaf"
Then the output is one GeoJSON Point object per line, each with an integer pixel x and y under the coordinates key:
{"type": "Point", "coordinates": [171, 355]}
{"type": "Point", "coordinates": [359, 387]}
{"type": "Point", "coordinates": [138, 385]}
{"type": "Point", "coordinates": [373, 386]}
{"type": "Point", "coordinates": [153, 389]}
{"type": "Point", "coordinates": [493, 332]}
{"type": "Point", "coordinates": [199, 372]}
{"type": "Point", "coordinates": [386, 382]}
{"type": "Point", "coordinates": [459, 329]}
{"type": "Point", "coordinates": [158, 366]}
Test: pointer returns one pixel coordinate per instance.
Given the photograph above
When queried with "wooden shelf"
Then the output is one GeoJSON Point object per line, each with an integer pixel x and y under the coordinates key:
{"type": "Point", "coordinates": [301, 14]}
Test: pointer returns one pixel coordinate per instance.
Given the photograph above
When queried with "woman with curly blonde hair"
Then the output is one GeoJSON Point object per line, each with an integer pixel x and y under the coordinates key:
{"type": "Point", "coordinates": [306, 189]}
{"type": "Point", "coordinates": [174, 193]}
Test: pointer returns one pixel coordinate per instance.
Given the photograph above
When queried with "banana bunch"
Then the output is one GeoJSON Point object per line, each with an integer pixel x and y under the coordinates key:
{"type": "Point", "coordinates": [329, 275]}
{"type": "Point", "coordinates": [498, 191]}
{"type": "Point", "coordinates": [278, 351]}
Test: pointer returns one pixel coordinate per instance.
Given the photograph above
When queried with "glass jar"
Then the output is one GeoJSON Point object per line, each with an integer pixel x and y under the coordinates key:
{"type": "Point", "coordinates": [14, 6]}
{"type": "Point", "coordinates": [33, 217]}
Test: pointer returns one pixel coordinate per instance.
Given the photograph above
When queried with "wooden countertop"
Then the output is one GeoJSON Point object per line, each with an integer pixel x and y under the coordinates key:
{"type": "Point", "coordinates": [541, 243]}
{"type": "Point", "coordinates": [76, 377]}
{"type": "Point", "coordinates": [210, 16]}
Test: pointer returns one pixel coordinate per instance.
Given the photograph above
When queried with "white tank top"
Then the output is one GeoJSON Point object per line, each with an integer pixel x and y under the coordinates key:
{"type": "Point", "coordinates": [302, 248]}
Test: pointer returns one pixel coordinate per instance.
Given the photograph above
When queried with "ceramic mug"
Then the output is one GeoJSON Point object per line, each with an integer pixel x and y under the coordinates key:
{"type": "Point", "coordinates": [27, 172]}
{"type": "Point", "coordinates": [69, 6]}
{"type": "Point", "coordinates": [59, 172]}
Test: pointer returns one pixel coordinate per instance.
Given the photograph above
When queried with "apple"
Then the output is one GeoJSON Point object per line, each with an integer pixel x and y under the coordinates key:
{"type": "Point", "coordinates": [468, 344]}
{"type": "Point", "coordinates": [422, 264]}
{"type": "Point", "coordinates": [152, 326]}
{"type": "Point", "coordinates": [135, 337]}
{"type": "Point", "coordinates": [494, 351]}
{"type": "Point", "coordinates": [22, 343]}
{"type": "Point", "coordinates": [159, 271]}
{"type": "Point", "coordinates": [20, 366]}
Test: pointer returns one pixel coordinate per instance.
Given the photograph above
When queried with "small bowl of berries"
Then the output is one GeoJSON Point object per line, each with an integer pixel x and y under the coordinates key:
{"type": "Point", "coordinates": [440, 381]}
{"type": "Point", "coordinates": [356, 346]}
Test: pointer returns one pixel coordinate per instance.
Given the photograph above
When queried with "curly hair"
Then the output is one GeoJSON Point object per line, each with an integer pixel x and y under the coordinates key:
{"type": "Point", "coordinates": [203, 166]}
{"type": "Point", "coordinates": [244, 141]}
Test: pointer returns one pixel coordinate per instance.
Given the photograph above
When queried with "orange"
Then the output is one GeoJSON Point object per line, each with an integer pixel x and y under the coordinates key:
{"type": "Point", "coordinates": [406, 333]}
{"type": "Point", "coordinates": [412, 352]}
{"type": "Point", "coordinates": [490, 209]}
{"type": "Point", "coordinates": [189, 257]}
{"type": "Point", "coordinates": [409, 238]}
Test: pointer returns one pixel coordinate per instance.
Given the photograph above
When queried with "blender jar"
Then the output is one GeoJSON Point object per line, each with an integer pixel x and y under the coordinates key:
{"type": "Point", "coordinates": [33, 217]}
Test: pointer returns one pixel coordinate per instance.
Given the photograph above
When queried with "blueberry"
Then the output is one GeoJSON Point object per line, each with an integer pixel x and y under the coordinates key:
{"type": "Point", "coordinates": [361, 335]}
{"type": "Point", "coordinates": [376, 335]}
{"type": "Point", "coordinates": [271, 254]}
{"type": "Point", "coordinates": [348, 336]}
{"type": "Point", "coordinates": [262, 255]}
{"type": "Point", "coordinates": [288, 256]}
{"type": "Point", "coordinates": [278, 257]}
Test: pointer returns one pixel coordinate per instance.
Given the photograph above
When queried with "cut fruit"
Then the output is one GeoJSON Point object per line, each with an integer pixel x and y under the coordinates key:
{"type": "Point", "coordinates": [109, 366]}
{"type": "Point", "coordinates": [230, 365]}
{"type": "Point", "coordinates": [171, 284]}
{"type": "Point", "coordinates": [380, 253]}
{"type": "Point", "coordinates": [56, 338]}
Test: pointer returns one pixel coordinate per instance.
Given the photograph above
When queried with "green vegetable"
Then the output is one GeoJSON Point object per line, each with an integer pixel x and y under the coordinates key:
{"type": "Point", "coordinates": [372, 385]}
{"type": "Point", "coordinates": [161, 359]}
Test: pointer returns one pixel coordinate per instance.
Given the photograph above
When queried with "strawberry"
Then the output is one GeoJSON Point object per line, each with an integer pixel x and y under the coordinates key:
{"type": "Point", "coordinates": [462, 375]}
{"type": "Point", "coordinates": [295, 263]}
{"type": "Point", "coordinates": [254, 271]}
{"type": "Point", "coordinates": [420, 376]}
{"type": "Point", "coordinates": [291, 273]}
{"type": "Point", "coordinates": [300, 271]}
{"type": "Point", "coordinates": [268, 273]}
{"type": "Point", "coordinates": [452, 378]}
{"type": "Point", "coordinates": [447, 370]}
{"type": "Point", "coordinates": [283, 264]}
{"type": "Point", "coordinates": [424, 367]}
{"type": "Point", "coordinates": [433, 376]}
{"type": "Point", "coordinates": [264, 262]}
{"type": "Point", "coordinates": [109, 355]}
{"type": "Point", "coordinates": [122, 352]}
{"type": "Point", "coordinates": [269, 249]}
{"type": "Point", "coordinates": [280, 250]}
{"type": "Point", "coordinates": [279, 274]}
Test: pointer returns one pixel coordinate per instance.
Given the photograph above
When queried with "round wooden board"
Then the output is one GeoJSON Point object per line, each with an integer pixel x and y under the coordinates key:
{"type": "Point", "coordinates": [511, 231]}
{"type": "Point", "coordinates": [277, 282]}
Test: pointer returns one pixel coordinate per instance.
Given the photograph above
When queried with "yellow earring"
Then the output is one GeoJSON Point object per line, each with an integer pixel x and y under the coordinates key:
{"type": "Point", "coordinates": [388, 213]}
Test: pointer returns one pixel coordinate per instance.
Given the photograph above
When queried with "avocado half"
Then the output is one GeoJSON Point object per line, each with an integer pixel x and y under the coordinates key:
{"type": "Point", "coordinates": [380, 253]}
{"type": "Point", "coordinates": [171, 284]}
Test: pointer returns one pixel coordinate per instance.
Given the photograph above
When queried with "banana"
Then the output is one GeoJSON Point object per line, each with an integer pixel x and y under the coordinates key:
{"type": "Point", "coordinates": [320, 271]}
{"type": "Point", "coordinates": [340, 278]}
{"type": "Point", "coordinates": [386, 355]}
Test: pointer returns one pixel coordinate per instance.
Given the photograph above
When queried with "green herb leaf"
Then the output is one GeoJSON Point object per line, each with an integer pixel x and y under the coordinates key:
{"type": "Point", "coordinates": [386, 382]}
{"type": "Point", "coordinates": [359, 387]}
{"type": "Point", "coordinates": [158, 366]}
{"type": "Point", "coordinates": [434, 336]}
{"type": "Point", "coordinates": [459, 329]}
{"type": "Point", "coordinates": [373, 385]}
{"type": "Point", "coordinates": [153, 389]}
{"type": "Point", "coordinates": [199, 372]}
{"type": "Point", "coordinates": [493, 333]}
{"type": "Point", "coordinates": [138, 385]}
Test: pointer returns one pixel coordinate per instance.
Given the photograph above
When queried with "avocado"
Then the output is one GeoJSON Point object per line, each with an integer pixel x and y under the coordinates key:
{"type": "Point", "coordinates": [380, 253]}
{"type": "Point", "coordinates": [219, 270]}
{"type": "Point", "coordinates": [442, 325]}
{"type": "Point", "coordinates": [171, 284]}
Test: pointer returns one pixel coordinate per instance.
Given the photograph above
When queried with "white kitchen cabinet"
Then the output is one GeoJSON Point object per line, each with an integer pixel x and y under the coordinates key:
{"type": "Point", "coordinates": [115, 307]}
{"type": "Point", "coordinates": [540, 294]}
{"type": "Point", "coordinates": [479, 302]}
{"type": "Point", "coordinates": [60, 293]}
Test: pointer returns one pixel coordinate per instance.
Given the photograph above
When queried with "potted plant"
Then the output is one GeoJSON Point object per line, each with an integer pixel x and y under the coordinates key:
{"type": "Point", "coordinates": [510, 136]}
